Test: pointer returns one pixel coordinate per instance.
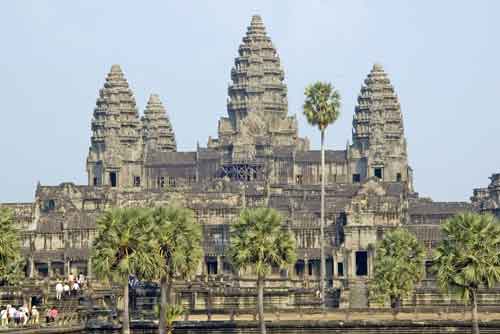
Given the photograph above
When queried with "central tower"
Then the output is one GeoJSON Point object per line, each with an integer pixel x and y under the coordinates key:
{"type": "Point", "coordinates": [257, 104]}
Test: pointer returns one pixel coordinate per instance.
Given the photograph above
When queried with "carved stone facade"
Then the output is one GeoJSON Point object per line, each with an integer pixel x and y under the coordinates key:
{"type": "Point", "coordinates": [258, 159]}
{"type": "Point", "coordinates": [488, 199]}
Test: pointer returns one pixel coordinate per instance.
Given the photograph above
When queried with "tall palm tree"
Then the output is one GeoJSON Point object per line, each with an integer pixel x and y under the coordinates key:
{"type": "Point", "coordinates": [399, 266]}
{"type": "Point", "coordinates": [10, 251]}
{"type": "Point", "coordinates": [322, 108]}
{"type": "Point", "coordinates": [123, 247]}
{"type": "Point", "coordinates": [258, 241]}
{"type": "Point", "coordinates": [468, 257]}
{"type": "Point", "coordinates": [179, 240]}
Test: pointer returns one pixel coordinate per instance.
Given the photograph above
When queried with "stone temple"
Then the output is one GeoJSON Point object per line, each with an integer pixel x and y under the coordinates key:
{"type": "Point", "coordinates": [258, 159]}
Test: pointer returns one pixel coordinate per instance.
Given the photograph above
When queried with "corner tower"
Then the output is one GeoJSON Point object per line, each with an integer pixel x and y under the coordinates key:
{"type": "Point", "coordinates": [257, 103]}
{"type": "Point", "coordinates": [115, 154]}
{"type": "Point", "coordinates": [379, 143]}
{"type": "Point", "coordinates": [158, 133]}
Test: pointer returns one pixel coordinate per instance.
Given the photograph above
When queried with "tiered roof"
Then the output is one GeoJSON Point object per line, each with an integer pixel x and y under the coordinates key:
{"type": "Point", "coordinates": [378, 114]}
{"type": "Point", "coordinates": [257, 76]}
{"type": "Point", "coordinates": [157, 129]}
{"type": "Point", "coordinates": [116, 115]}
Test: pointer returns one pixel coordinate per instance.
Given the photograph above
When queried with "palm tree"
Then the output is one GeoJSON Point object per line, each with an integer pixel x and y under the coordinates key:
{"type": "Point", "coordinates": [399, 266]}
{"type": "Point", "coordinates": [258, 241]}
{"type": "Point", "coordinates": [10, 251]}
{"type": "Point", "coordinates": [124, 247]}
{"type": "Point", "coordinates": [179, 240]}
{"type": "Point", "coordinates": [172, 313]}
{"type": "Point", "coordinates": [468, 257]}
{"type": "Point", "coordinates": [322, 108]}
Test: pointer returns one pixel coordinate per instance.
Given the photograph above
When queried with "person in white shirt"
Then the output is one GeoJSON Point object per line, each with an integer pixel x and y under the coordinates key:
{"type": "Point", "coordinates": [76, 288]}
{"type": "Point", "coordinates": [24, 314]}
{"type": "Point", "coordinates": [4, 317]}
{"type": "Point", "coordinates": [35, 315]}
{"type": "Point", "coordinates": [67, 289]}
{"type": "Point", "coordinates": [12, 313]}
{"type": "Point", "coordinates": [59, 290]}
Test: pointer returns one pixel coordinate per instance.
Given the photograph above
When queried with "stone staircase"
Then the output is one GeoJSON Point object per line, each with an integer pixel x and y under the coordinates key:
{"type": "Point", "coordinates": [358, 297]}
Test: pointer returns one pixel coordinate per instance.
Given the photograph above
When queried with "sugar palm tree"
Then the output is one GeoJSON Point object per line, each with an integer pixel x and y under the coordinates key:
{"type": "Point", "coordinates": [172, 313]}
{"type": "Point", "coordinates": [10, 251]}
{"type": "Point", "coordinates": [322, 108]}
{"type": "Point", "coordinates": [259, 242]}
{"type": "Point", "coordinates": [399, 266]}
{"type": "Point", "coordinates": [179, 241]}
{"type": "Point", "coordinates": [468, 257]}
{"type": "Point", "coordinates": [124, 247]}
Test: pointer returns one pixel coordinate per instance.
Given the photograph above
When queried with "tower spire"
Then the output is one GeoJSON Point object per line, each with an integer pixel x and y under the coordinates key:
{"type": "Point", "coordinates": [116, 145]}
{"type": "Point", "coordinates": [158, 131]}
{"type": "Point", "coordinates": [257, 76]}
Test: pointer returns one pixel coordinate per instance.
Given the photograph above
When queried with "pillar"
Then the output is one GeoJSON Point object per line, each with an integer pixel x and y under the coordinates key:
{"type": "Point", "coordinates": [49, 269]}
{"type": "Point", "coordinates": [306, 268]}
{"type": "Point", "coordinates": [352, 264]}
{"type": "Point", "coordinates": [31, 272]}
{"type": "Point", "coordinates": [335, 273]}
{"type": "Point", "coordinates": [220, 266]}
{"type": "Point", "coordinates": [370, 263]}
{"type": "Point", "coordinates": [89, 269]}
{"type": "Point", "coordinates": [67, 268]}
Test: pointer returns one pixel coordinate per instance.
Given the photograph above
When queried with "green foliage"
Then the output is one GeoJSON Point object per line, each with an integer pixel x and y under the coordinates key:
{"type": "Point", "coordinates": [469, 254]}
{"type": "Point", "coordinates": [258, 241]}
{"type": "Point", "coordinates": [172, 313]}
{"type": "Point", "coordinates": [124, 246]}
{"type": "Point", "coordinates": [322, 104]}
{"type": "Point", "coordinates": [398, 266]}
{"type": "Point", "coordinates": [10, 249]}
{"type": "Point", "coordinates": [179, 239]}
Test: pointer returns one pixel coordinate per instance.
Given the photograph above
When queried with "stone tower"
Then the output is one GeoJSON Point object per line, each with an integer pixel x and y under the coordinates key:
{"type": "Point", "coordinates": [158, 133]}
{"type": "Point", "coordinates": [115, 155]}
{"type": "Point", "coordinates": [379, 144]}
{"type": "Point", "coordinates": [257, 76]}
{"type": "Point", "coordinates": [257, 104]}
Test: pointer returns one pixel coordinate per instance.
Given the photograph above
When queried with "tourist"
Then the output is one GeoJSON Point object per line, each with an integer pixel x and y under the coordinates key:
{"type": "Point", "coordinates": [51, 314]}
{"type": "Point", "coordinates": [35, 315]}
{"type": "Point", "coordinates": [17, 317]}
{"type": "Point", "coordinates": [11, 314]}
{"type": "Point", "coordinates": [4, 318]}
{"type": "Point", "coordinates": [75, 288]}
{"type": "Point", "coordinates": [66, 289]}
{"type": "Point", "coordinates": [71, 278]}
{"type": "Point", "coordinates": [24, 311]}
{"type": "Point", "coordinates": [81, 279]}
{"type": "Point", "coordinates": [59, 290]}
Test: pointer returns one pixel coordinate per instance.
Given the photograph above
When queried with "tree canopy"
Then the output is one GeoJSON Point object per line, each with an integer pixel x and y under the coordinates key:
{"type": "Point", "coordinates": [178, 237]}
{"type": "Point", "coordinates": [322, 104]}
{"type": "Point", "coordinates": [10, 248]}
{"type": "Point", "coordinates": [469, 254]}
{"type": "Point", "coordinates": [258, 241]}
{"type": "Point", "coordinates": [468, 257]}
{"type": "Point", "coordinates": [398, 266]}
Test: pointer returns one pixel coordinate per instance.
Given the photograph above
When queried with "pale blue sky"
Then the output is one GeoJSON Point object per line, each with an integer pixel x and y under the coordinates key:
{"type": "Point", "coordinates": [442, 57]}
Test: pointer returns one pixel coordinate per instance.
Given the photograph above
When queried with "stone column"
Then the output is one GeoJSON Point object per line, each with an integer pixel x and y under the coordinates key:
{"type": "Point", "coordinates": [306, 268]}
{"type": "Point", "coordinates": [67, 267]}
{"type": "Point", "coordinates": [89, 269]}
{"type": "Point", "coordinates": [370, 263]}
{"type": "Point", "coordinates": [49, 268]}
{"type": "Point", "coordinates": [31, 267]}
{"type": "Point", "coordinates": [220, 265]}
{"type": "Point", "coordinates": [335, 273]}
{"type": "Point", "coordinates": [352, 263]}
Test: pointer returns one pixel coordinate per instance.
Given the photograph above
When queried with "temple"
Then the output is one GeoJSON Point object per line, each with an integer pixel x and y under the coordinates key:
{"type": "Point", "coordinates": [258, 159]}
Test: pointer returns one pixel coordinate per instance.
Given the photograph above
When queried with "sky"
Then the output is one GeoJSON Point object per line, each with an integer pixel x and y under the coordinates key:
{"type": "Point", "coordinates": [442, 58]}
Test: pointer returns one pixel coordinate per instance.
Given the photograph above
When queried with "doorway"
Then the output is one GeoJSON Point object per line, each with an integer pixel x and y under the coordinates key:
{"type": "Point", "coordinates": [361, 263]}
